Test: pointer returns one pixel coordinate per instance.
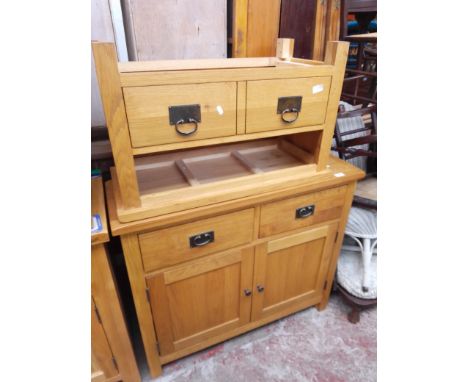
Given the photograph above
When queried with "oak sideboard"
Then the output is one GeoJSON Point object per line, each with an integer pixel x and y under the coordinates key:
{"type": "Point", "coordinates": [229, 207]}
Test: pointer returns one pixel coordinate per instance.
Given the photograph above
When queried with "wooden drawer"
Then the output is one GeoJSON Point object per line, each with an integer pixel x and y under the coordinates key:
{"type": "Point", "coordinates": [148, 112]}
{"type": "Point", "coordinates": [262, 102]}
{"type": "Point", "coordinates": [285, 215]}
{"type": "Point", "coordinates": [174, 244]}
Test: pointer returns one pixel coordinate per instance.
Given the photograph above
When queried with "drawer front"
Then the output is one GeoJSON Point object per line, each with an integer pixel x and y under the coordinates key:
{"type": "Point", "coordinates": [264, 103]}
{"type": "Point", "coordinates": [185, 242]}
{"type": "Point", "coordinates": [301, 211]}
{"type": "Point", "coordinates": [148, 112]}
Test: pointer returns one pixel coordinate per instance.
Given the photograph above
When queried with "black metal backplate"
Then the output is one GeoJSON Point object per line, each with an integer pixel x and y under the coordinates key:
{"type": "Point", "coordinates": [184, 112]}
{"type": "Point", "coordinates": [201, 239]}
{"type": "Point", "coordinates": [306, 211]}
{"type": "Point", "coordinates": [289, 103]}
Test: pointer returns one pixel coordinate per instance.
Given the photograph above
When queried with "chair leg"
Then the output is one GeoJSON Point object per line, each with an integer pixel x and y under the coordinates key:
{"type": "Point", "coordinates": [366, 262]}
{"type": "Point", "coordinates": [354, 315]}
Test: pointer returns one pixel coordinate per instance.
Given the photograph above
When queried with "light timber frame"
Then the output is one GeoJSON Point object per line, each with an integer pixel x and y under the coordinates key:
{"type": "Point", "coordinates": [266, 188]}
{"type": "Point", "coordinates": [115, 77]}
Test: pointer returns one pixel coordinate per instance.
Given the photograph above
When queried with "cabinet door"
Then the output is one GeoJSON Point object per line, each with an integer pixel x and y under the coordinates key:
{"type": "Point", "coordinates": [201, 299]}
{"type": "Point", "coordinates": [290, 272]}
{"type": "Point", "coordinates": [102, 364]}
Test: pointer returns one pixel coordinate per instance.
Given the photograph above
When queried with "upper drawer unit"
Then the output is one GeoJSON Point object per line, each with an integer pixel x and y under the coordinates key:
{"type": "Point", "coordinates": [176, 113]}
{"type": "Point", "coordinates": [286, 103]}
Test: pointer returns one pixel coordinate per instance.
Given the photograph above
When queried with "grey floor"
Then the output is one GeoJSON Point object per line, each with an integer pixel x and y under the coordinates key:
{"type": "Point", "coordinates": [308, 346]}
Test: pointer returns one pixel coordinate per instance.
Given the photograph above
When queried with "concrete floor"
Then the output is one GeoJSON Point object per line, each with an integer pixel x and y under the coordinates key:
{"type": "Point", "coordinates": [308, 346]}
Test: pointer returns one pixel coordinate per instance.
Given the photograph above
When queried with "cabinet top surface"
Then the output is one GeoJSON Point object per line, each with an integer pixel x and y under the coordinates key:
{"type": "Point", "coordinates": [98, 206]}
{"type": "Point", "coordinates": [336, 174]}
{"type": "Point", "coordinates": [215, 63]}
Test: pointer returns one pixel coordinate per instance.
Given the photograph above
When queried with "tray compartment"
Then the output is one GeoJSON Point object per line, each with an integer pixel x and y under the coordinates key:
{"type": "Point", "coordinates": [191, 168]}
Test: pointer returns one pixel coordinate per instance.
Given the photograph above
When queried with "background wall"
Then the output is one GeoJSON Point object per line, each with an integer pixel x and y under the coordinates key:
{"type": "Point", "coordinates": [106, 25]}
{"type": "Point", "coordinates": [157, 30]}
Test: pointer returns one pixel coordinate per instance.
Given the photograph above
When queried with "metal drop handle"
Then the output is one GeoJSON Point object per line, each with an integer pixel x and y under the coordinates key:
{"type": "Point", "coordinates": [304, 212]}
{"type": "Point", "coordinates": [260, 288]}
{"type": "Point", "coordinates": [247, 292]}
{"type": "Point", "coordinates": [182, 122]}
{"type": "Point", "coordinates": [201, 239]}
{"type": "Point", "coordinates": [286, 111]}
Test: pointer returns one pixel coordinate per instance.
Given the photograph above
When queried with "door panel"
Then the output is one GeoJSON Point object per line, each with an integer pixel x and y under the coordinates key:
{"type": "Point", "coordinates": [291, 271]}
{"type": "Point", "coordinates": [285, 277]}
{"type": "Point", "coordinates": [201, 299]}
{"type": "Point", "coordinates": [102, 365]}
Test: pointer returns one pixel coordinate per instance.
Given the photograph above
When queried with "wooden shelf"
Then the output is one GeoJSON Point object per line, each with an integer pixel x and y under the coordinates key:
{"type": "Point", "coordinates": [170, 182]}
{"type": "Point", "coordinates": [191, 168]}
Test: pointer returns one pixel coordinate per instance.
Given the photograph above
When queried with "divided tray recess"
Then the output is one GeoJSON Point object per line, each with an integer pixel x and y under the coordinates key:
{"type": "Point", "coordinates": [190, 168]}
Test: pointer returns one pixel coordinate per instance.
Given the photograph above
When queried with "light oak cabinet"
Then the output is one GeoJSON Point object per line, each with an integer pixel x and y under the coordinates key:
{"type": "Point", "coordinates": [232, 217]}
{"type": "Point", "coordinates": [112, 357]}
{"type": "Point", "coordinates": [201, 299]}
{"type": "Point", "coordinates": [103, 365]}
{"type": "Point", "coordinates": [251, 266]}
{"type": "Point", "coordinates": [162, 115]}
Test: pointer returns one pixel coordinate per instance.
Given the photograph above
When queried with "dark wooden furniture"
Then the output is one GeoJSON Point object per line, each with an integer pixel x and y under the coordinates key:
{"type": "Point", "coordinates": [256, 24]}
{"type": "Point", "coordinates": [298, 18]}
{"type": "Point", "coordinates": [346, 147]}
{"type": "Point", "coordinates": [311, 23]}
{"type": "Point", "coordinates": [364, 10]}
{"type": "Point", "coordinates": [360, 83]}
{"type": "Point", "coordinates": [357, 304]}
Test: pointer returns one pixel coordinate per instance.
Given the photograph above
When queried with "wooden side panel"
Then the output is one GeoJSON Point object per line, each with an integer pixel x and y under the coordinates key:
{"type": "Point", "coordinates": [262, 27]}
{"type": "Point", "coordinates": [309, 142]}
{"type": "Point", "coordinates": [101, 353]}
{"type": "Point", "coordinates": [107, 301]}
{"type": "Point", "coordinates": [291, 271]}
{"type": "Point", "coordinates": [136, 275]}
{"type": "Point", "coordinates": [297, 21]}
{"type": "Point", "coordinates": [167, 29]}
{"type": "Point", "coordinates": [114, 109]}
{"type": "Point", "coordinates": [197, 301]}
{"type": "Point", "coordinates": [337, 55]}
{"type": "Point", "coordinates": [337, 245]}
{"type": "Point", "coordinates": [98, 206]}
{"type": "Point", "coordinates": [148, 112]}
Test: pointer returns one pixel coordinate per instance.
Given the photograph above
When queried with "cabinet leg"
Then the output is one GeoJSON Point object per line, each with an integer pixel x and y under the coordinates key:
{"type": "Point", "coordinates": [354, 315]}
{"type": "Point", "coordinates": [322, 305]}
